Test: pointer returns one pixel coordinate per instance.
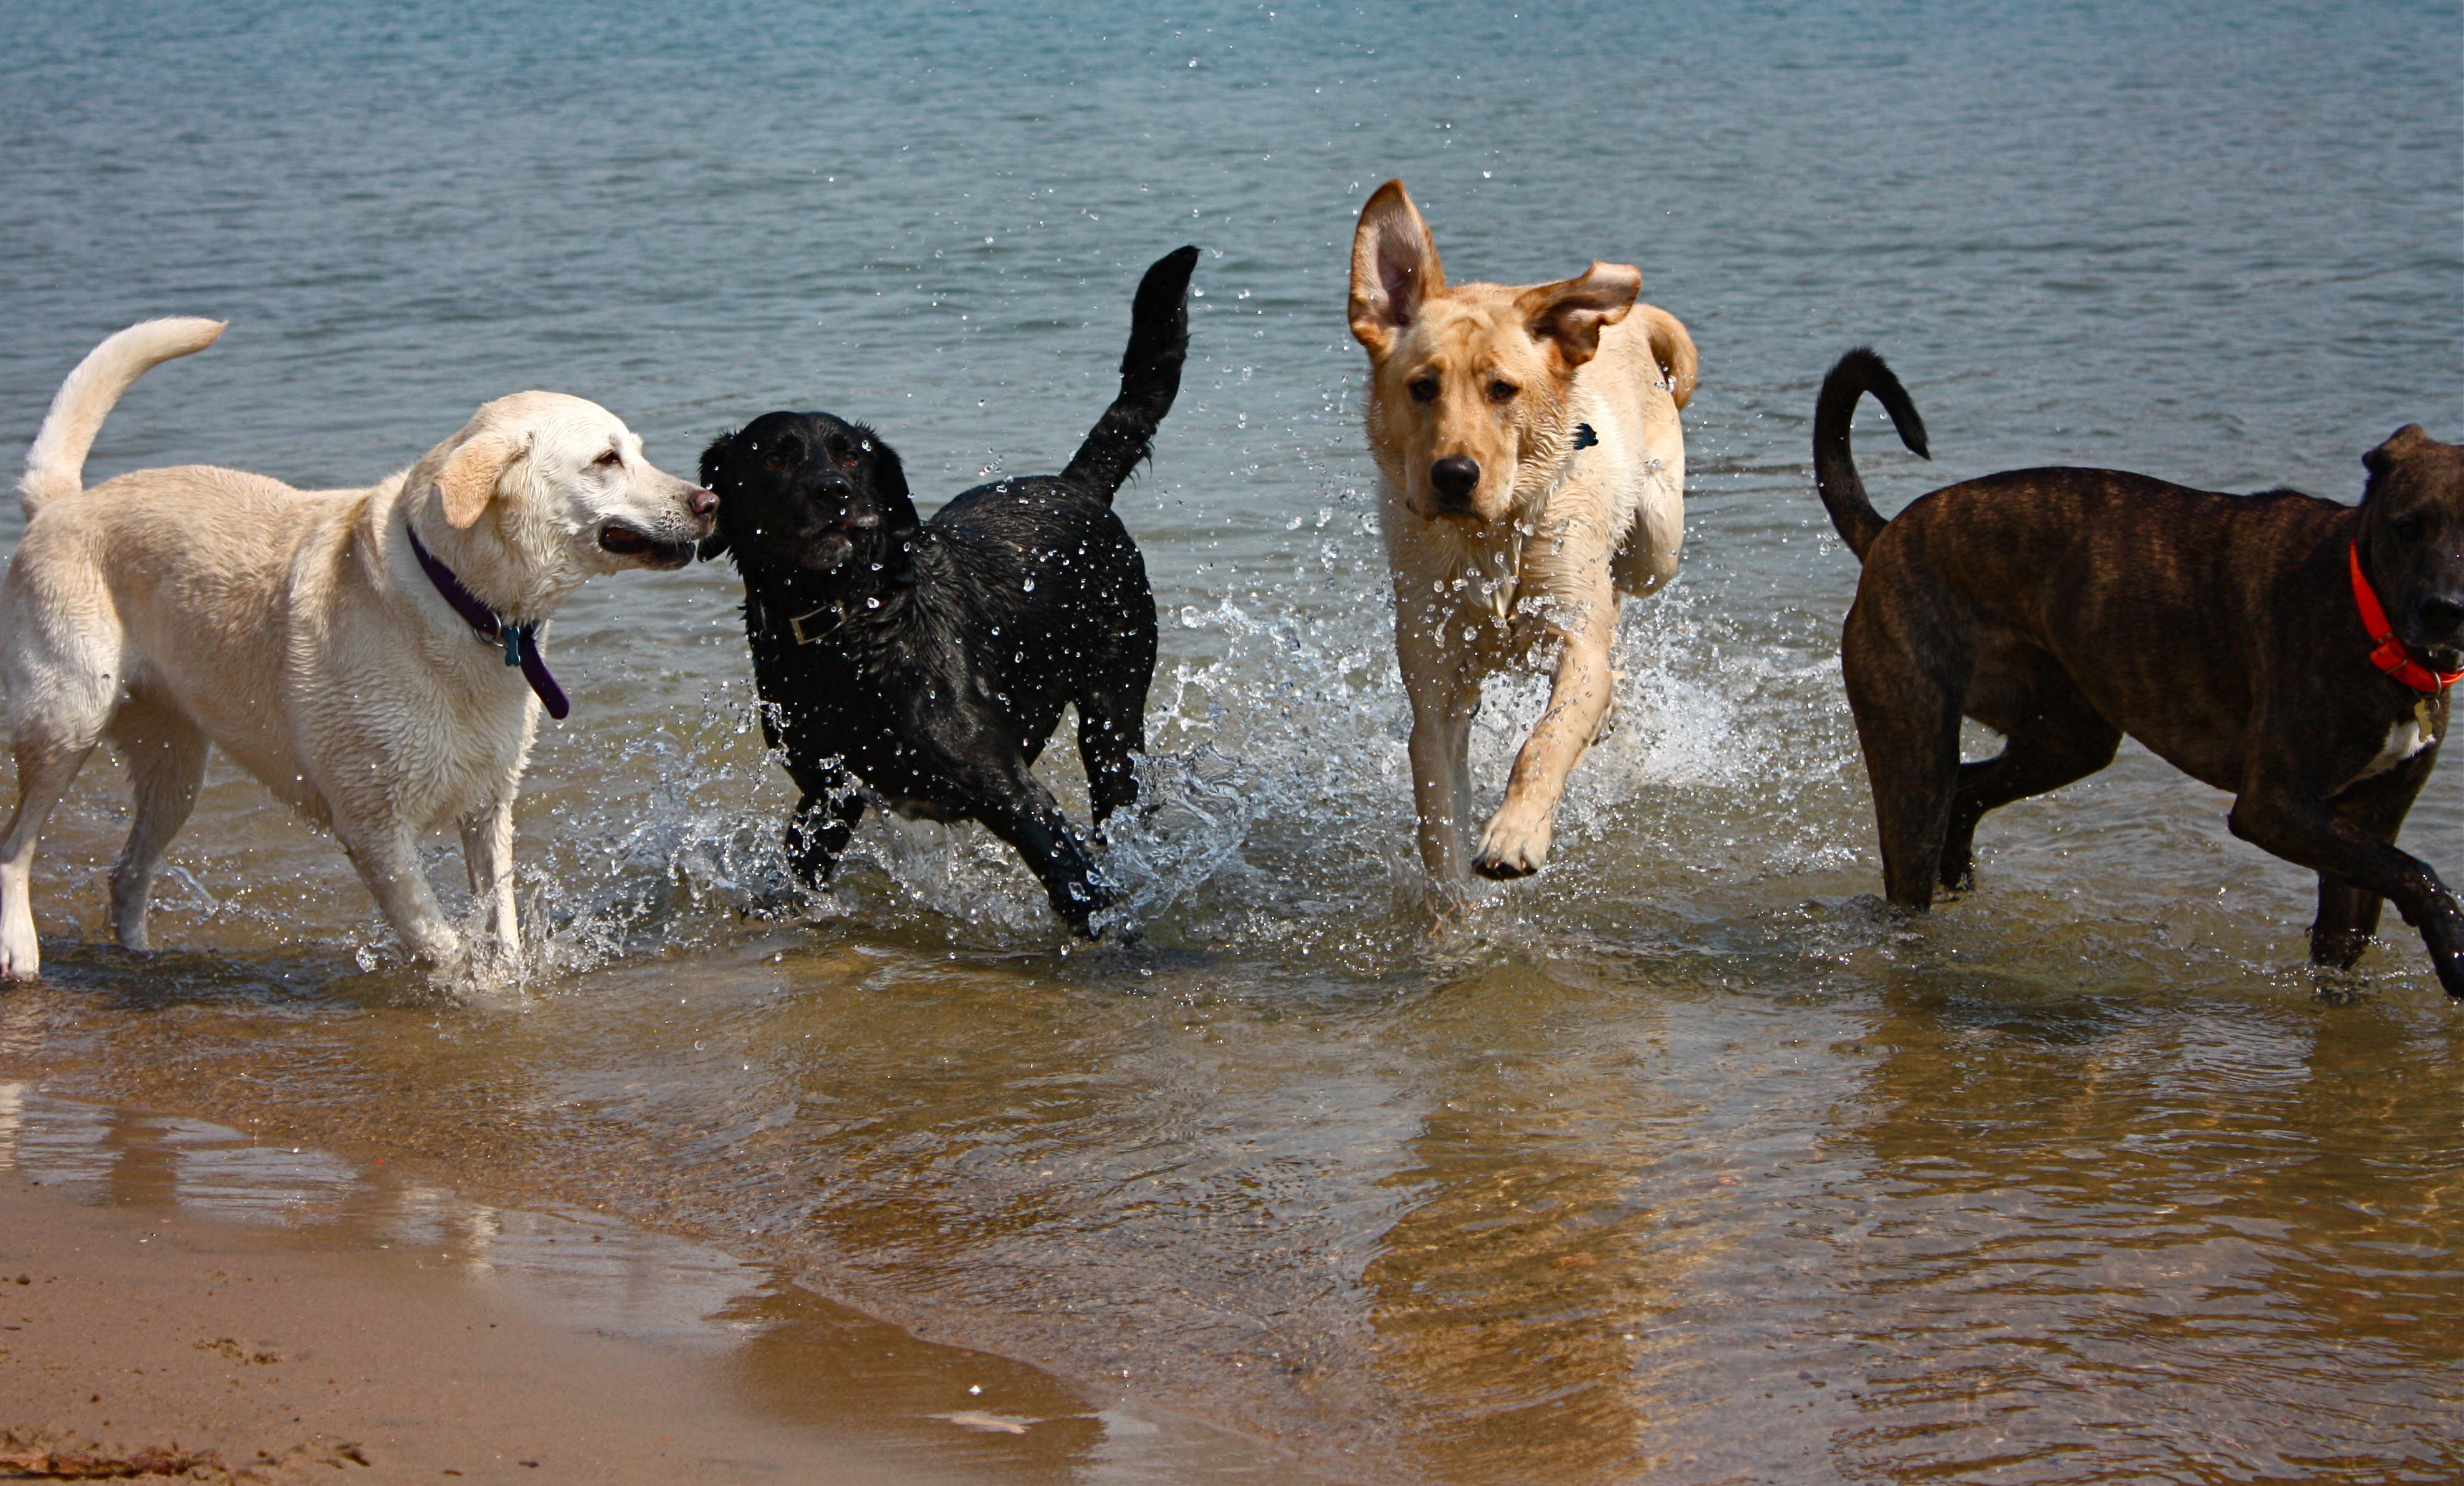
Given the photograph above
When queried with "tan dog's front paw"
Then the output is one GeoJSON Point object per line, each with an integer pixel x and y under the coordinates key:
{"type": "Point", "coordinates": [1509, 849]}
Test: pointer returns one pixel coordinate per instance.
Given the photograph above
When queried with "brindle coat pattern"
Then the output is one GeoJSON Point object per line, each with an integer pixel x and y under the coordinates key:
{"type": "Point", "coordinates": [2065, 607]}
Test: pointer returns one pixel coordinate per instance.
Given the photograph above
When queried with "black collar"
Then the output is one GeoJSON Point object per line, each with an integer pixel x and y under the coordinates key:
{"type": "Point", "coordinates": [807, 628]}
{"type": "Point", "coordinates": [521, 640]}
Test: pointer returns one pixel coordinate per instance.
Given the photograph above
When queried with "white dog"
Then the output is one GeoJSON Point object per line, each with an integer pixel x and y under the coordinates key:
{"type": "Point", "coordinates": [1533, 469]}
{"type": "Point", "coordinates": [372, 654]}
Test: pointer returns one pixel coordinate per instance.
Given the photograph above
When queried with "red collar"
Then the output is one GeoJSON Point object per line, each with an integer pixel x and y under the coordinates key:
{"type": "Point", "coordinates": [2390, 656]}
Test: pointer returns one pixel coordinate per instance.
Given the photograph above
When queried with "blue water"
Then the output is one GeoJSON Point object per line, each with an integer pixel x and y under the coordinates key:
{"type": "Point", "coordinates": [1680, 1165]}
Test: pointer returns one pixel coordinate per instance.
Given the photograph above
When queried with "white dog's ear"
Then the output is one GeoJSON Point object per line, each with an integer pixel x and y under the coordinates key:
{"type": "Point", "coordinates": [1395, 267]}
{"type": "Point", "coordinates": [468, 480]}
{"type": "Point", "coordinates": [1572, 311]}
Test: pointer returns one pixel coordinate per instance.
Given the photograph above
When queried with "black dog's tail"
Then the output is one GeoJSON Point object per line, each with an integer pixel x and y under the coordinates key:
{"type": "Point", "coordinates": [1835, 469]}
{"type": "Point", "coordinates": [1149, 378]}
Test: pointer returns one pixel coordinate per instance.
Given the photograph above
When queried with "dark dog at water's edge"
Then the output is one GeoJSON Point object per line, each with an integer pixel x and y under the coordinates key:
{"type": "Point", "coordinates": [2291, 651]}
{"type": "Point", "coordinates": [931, 660]}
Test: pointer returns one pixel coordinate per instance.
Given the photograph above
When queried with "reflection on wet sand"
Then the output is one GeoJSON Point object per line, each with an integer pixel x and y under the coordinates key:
{"type": "Point", "coordinates": [2168, 1237]}
{"type": "Point", "coordinates": [800, 1359]}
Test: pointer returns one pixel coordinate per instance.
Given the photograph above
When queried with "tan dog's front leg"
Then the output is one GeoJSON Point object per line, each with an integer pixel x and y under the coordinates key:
{"type": "Point", "coordinates": [1516, 841]}
{"type": "Point", "coordinates": [1445, 695]}
{"type": "Point", "coordinates": [488, 854]}
{"type": "Point", "coordinates": [387, 858]}
{"type": "Point", "coordinates": [1441, 713]}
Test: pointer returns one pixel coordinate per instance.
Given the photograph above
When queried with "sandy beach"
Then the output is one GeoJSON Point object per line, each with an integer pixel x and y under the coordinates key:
{"type": "Point", "coordinates": [237, 1348]}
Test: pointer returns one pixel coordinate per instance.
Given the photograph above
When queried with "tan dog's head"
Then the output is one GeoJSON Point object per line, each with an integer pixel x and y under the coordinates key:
{"type": "Point", "coordinates": [562, 483]}
{"type": "Point", "coordinates": [1467, 382]}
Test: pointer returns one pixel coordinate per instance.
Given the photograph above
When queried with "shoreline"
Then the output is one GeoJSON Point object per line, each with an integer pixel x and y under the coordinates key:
{"type": "Point", "coordinates": [129, 1331]}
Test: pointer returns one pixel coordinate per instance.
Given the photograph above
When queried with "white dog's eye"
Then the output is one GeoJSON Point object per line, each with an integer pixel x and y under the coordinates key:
{"type": "Point", "coordinates": [612, 460]}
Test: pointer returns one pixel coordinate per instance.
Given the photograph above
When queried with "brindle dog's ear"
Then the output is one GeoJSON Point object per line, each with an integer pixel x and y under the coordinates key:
{"type": "Point", "coordinates": [713, 460]}
{"type": "Point", "coordinates": [1572, 313]}
{"type": "Point", "coordinates": [2404, 441]}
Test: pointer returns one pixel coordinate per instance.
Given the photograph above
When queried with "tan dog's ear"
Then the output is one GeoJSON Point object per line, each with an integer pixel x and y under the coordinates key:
{"type": "Point", "coordinates": [1572, 311]}
{"type": "Point", "coordinates": [1395, 267]}
{"type": "Point", "coordinates": [469, 479]}
{"type": "Point", "coordinates": [2402, 441]}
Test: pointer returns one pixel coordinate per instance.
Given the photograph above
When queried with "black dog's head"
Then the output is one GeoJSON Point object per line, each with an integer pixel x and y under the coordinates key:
{"type": "Point", "coordinates": [807, 490]}
{"type": "Point", "coordinates": [2413, 541]}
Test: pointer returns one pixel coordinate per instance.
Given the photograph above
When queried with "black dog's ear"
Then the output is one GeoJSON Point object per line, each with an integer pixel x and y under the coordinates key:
{"type": "Point", "coordinates": [712, 459]}
{"type": "Point", "coordinates": [2402, 441]}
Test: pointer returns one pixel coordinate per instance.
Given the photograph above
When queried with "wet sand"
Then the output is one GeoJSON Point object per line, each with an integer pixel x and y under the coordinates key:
{"type": "Point", "coordinates": [133, 1331]}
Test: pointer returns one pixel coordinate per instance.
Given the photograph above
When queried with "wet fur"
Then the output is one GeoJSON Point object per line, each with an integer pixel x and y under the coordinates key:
{"type": "Point", "coordinates": [173, 610]}
{"type": "Point", "coordinates": [1532, 470]}
{"type": "Point", "coordinates": [935, 657]}
{"type": "Point", "coordinates": [2065, 607]}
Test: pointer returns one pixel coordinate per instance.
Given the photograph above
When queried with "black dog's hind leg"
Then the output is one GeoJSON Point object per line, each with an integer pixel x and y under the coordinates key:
{"type": "Point", "coordinates": [2054, 737]}
{"type": "Point", "coordinates": [825, 821]}
{"type": "Point", "coordinates": [2349, 913]}
{"type": "Point", "coordinates": [1112, 731]}
{"type": "Point", "coordinates": [1014, 806]}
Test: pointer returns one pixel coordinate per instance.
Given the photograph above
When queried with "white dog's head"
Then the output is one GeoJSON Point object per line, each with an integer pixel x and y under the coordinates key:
{"type": "Point", "coordinates": [560, 483]}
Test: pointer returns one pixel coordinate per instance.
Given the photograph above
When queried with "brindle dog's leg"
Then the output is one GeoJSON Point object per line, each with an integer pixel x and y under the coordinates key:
{"type": "Point", "coordinates": [1907, 669]}
{"type": "Point", "coordinates": [2349, 913]}
{"type": "Point", "coordinates": [2050, 737]}
{"type": "Point", "coordinates": [2292, 821]}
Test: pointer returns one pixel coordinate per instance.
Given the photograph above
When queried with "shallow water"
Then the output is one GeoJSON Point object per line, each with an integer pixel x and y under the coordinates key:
{"type": "Point", "coordinates": [1681, 1162]}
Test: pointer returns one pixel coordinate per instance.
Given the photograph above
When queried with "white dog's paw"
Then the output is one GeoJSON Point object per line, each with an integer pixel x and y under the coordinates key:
{"type": "Point", "coordinates": [20, 957]}
{"type": "Point", "coordinates": [1512, 848]}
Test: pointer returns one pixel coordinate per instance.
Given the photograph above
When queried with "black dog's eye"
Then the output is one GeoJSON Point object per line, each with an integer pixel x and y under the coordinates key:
{"type": "Point", "coordinates": [849, 460]}
{"type": "Point", "coordinates": [1424, 390]}
{"type": "Point", "coordinates": [1502, 391]}
{"type": "Point", "coordinates": [612, 460]}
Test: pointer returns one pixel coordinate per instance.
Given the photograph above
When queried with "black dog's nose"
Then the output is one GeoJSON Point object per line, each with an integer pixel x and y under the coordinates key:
{"type": "Point", "coordinates": [1454, 478]}
{"type": "Point", "coordinates": [701, 502]}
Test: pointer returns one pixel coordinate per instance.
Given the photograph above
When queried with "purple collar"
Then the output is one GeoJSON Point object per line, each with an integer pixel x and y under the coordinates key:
{"type": "Point", "coordinates": [521, 640]}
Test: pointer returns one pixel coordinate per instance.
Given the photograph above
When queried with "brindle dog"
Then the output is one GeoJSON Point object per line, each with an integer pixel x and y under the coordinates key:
{"type": "Point", "coordinates": [2294, 652]}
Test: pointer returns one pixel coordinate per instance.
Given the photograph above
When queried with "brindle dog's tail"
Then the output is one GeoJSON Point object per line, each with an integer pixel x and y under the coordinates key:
{"type": "Point", "coordinates": [1835, 470]}
{"type": "Point", "coordinates": [1149, 378]}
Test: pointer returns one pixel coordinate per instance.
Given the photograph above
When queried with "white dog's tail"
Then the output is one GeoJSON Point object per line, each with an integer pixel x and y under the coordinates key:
{"type": "Point", "coordinates": [55, 465]}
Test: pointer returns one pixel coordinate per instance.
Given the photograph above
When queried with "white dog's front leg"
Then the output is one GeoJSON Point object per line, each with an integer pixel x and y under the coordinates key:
{"type": "Point", "coordinates": [386, 856]}
{"type": "Point", "coordinates": [1516, 841]}
{"type": "Point", "coordinates": [487, 853]}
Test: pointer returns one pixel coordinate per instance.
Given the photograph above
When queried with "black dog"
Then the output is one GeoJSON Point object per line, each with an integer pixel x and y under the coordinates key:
{"type": "Point", "coordinates": [932, 660]}
{"type": "Point", "coordinates": [2288, 650]}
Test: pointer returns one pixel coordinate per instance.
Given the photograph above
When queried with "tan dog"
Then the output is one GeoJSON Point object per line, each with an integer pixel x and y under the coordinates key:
{"type": "Point", "coordinates": [302, 633]}
{"type": "Point", "coordinates": [1532, 470]}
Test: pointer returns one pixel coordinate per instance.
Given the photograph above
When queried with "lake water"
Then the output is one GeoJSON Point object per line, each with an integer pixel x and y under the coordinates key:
{"type": "Point", "coordinates": [1681, 1163]}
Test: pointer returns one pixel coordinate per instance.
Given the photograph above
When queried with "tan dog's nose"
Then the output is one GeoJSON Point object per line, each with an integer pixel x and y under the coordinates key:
{"type": "Point", "coordinates": [701, 502]}
{"type": "Point", "coordinates": [1454, 478]}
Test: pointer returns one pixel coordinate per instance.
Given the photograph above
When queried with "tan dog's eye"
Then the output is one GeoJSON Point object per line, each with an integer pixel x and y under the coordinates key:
{"type": "Point", "coordinates": [1424, 390]}
{"type": "Point", "coordinates": [612, 460]}
{"type": "Point", "coordinates": [1502, 391]}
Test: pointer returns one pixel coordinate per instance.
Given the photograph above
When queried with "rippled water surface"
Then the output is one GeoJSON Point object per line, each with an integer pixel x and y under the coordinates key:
{"type": "Point", "coordinates": [1681, 1162]}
